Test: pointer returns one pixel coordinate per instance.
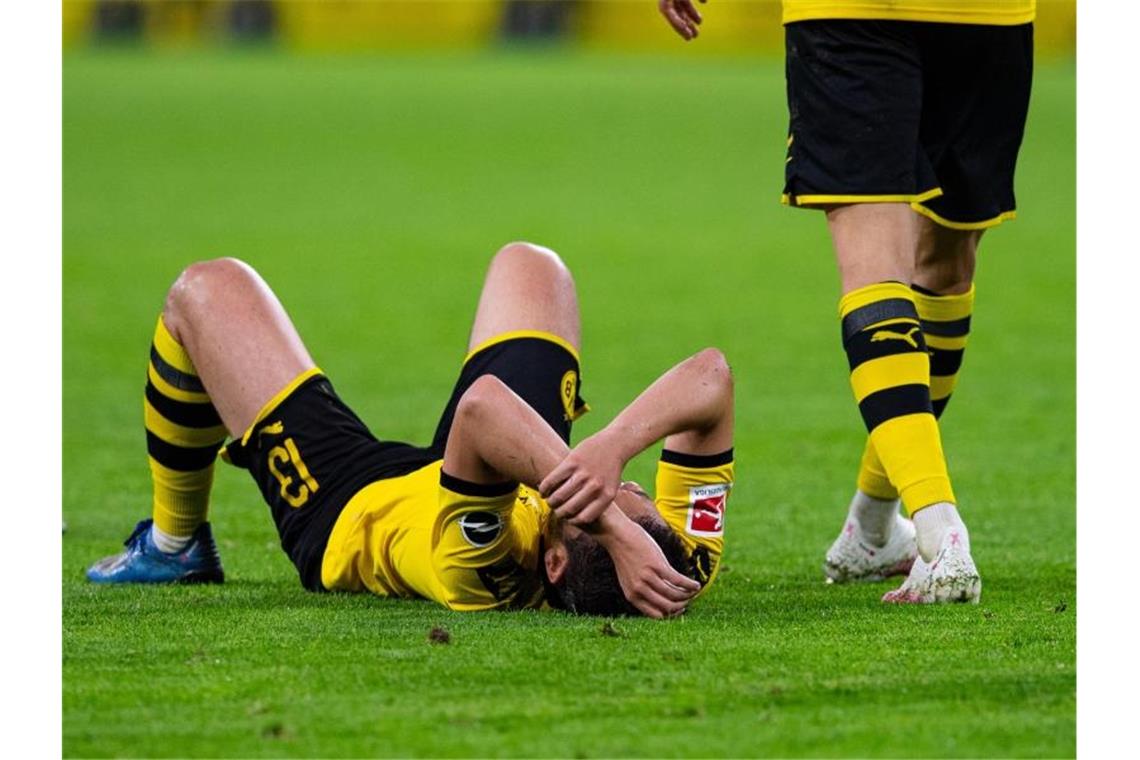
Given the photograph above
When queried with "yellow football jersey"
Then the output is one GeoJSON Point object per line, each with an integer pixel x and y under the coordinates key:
{"type": "Point", "coordinates": [995, 12]}
{"type": "Point", "coordinates": [412, 536]}
{"type": "Point", "coordinates": [416, 536]}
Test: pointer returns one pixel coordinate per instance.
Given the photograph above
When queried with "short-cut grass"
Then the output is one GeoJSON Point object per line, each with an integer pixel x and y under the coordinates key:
{"type": "Point", "coordinates": [371, 192]}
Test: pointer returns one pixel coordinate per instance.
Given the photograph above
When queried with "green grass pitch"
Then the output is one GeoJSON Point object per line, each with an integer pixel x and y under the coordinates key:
{"type": "Point", "coordinates": [370, 191]}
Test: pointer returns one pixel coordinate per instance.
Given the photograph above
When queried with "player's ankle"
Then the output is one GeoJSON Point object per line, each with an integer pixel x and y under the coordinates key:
{"type": "Point", "coordinates": [166, 543]}
{"type": "Point", "coordinates": [875, 517]}
{"type": "Point", "coordinates": [931, 525]}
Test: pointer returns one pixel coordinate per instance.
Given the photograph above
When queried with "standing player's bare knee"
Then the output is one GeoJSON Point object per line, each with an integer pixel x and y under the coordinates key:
{"type": "Point", "coordinates": [199, 289]}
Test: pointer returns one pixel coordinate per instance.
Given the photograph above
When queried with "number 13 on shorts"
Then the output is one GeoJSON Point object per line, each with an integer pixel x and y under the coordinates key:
{"type": "Point", "coordinates": [295, 490]}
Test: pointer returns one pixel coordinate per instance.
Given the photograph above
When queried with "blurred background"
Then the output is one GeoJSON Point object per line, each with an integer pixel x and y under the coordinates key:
{"type": "Point", "coordinates": [733, 26]}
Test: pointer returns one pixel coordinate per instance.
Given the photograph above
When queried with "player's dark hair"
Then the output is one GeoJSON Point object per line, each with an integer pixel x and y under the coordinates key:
{"type": "Point", "coordinates": [589, 585]}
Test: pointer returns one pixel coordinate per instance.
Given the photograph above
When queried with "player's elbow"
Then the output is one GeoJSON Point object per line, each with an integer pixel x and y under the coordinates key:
{"type": "Point", "coordinates": [715, 371]}
{"type": "Point", "coordinates": [480, 400]}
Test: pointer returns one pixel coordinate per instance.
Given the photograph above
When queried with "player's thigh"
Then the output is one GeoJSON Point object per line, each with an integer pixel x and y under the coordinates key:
{"type": "Point", "coordinates": [243, 344]}
{"type": "Point", "coordinates": [527, 289]}
{"type": "Point", "coordinates": [977, 83]}
{"type": "Point", "coordinates": [540, 367]}
{"type": "Point", "coordinates": [854, 92]}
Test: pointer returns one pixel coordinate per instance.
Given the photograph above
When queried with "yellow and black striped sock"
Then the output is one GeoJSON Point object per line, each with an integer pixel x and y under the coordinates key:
{"type": "Point", "coordinates": [890, 375]}
{"type": "Point", "coordinates": [946, 327]}
{"type": "Point", "coordinates": [183, 435]}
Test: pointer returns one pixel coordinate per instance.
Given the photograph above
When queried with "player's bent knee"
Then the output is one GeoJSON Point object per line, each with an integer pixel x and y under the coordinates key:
{"type": "Point", "coordinates": [524, 254]}
{"type": "Point", "coordinates": [201, 284]}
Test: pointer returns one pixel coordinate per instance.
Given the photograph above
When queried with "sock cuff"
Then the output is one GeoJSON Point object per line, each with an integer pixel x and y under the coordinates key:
{"type": "Point", "coordinates": [177, 514]}
{"type": "Point", "coordinates": [945, 308]}
{"type": "Point", "coordinates": [171, 351]}
{"type": "Point", "coordinates": [875, 486]}
{"type": "Point", "coordinates": [925, 494]}
{"type": "Point", "coordinates": [869, 294]}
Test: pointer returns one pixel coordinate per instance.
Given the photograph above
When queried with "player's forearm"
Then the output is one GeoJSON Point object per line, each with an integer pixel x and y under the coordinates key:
{"type": "Point", "coordinates": [517, 444]}
{"type": "Point", "coordinates": [498, 436]}
{"type": "Point", "coordinates": [696, 395]}
{"type": "Point", "coordinates": [612, 531]}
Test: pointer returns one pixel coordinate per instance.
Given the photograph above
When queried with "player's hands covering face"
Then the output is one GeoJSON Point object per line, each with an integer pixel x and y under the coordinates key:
{"type": "Point", "coordinates": [646, 578]}
{"type": "Point", "coordinates": [583, 484]}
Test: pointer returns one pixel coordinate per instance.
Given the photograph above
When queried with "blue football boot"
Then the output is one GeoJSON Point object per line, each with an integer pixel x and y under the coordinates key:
{"type": "Point", "coordinates": [143, 562]}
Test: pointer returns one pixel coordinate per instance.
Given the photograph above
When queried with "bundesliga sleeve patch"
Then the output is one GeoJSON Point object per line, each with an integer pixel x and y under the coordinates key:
{"type": "Point", "coordinates": [706, 509]}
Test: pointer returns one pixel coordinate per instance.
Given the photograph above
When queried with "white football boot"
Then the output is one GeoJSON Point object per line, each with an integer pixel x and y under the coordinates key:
{"type": "Point", "coordinates": [950, 577]}
{"type": "Point", "coordinates": [852, 558]}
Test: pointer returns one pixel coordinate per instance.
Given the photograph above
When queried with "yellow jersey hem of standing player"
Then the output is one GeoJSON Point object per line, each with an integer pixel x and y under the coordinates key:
{"type": "Point", "coordinates": [990, 12]}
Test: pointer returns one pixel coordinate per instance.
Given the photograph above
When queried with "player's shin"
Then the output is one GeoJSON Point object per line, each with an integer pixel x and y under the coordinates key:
{"type": "Point", "coordinates": [183, 434]}
{"type": "Point", "coordinates": [890, 375]}
{"type": "Point", "coordinates": [945, 324]}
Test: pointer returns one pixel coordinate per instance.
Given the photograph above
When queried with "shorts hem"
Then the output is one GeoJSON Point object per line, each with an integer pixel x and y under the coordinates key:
{"type": "Point", "coordinates": [974, 17]}
{"type": "Point", "coordinates": [516, 334]}
{"type": "Point", "coordinates": [791, 199]}
{"type": "Point", "coordinates": [277, 399]}
{"type": "Point", "coordinates": [953, 225]}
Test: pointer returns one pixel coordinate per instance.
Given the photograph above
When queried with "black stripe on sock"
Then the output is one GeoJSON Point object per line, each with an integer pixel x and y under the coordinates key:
{"type": "Point", "coordinates": [939, 405]}
{"type": "Point", "coordinates": [181, 458]}
{"type": "Point", "coordinates": [173, 375]}
{"type": "Point", "coordinates": [182, 413]}
{"type": "Point", "coordinates": [944, 363]}
{"type": "Point", "coordinates": [955, 328]}
{"type": "Point", "coordinates": [861, 348]}
{"type": "Point", "coordinates": [879, 311]}
{"type": "Point", "coordinates": [898, 401]}
{"type": "Point", "coordinates": [696, 461]}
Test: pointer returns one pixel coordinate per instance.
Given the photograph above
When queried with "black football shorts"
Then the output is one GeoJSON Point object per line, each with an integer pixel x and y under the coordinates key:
{"type": "Point", "coordinates": [900, 111]}
{"type": "Point", "coordinates": [309, 453]}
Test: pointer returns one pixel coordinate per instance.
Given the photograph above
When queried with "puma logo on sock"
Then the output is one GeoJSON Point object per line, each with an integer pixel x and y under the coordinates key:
{"type": "Point", "coordinates": [908, 336]}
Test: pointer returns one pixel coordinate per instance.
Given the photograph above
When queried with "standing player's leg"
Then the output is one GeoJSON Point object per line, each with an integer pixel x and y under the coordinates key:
{"type": "Point", "coordinates": [222, 348]}
{"type": "Point", "coordinates": [855, 100]}
{"type": "Point", "coordinates": [874, 248]}
{"type": "Point", "coordinates": [890, 375]}
{"type": "Point", "coordinates": [976, 82]}
{"type": "Point", "coordinates": [944, 296]}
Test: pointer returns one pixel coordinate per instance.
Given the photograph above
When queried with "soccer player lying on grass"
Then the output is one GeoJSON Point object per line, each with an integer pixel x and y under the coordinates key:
{"type": "Point", "coordinates": [462, 520]}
